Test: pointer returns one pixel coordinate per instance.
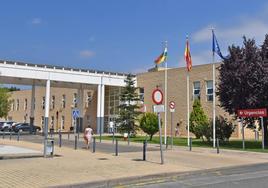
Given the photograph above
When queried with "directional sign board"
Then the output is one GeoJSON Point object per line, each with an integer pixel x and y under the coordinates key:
{"type": "Point", "coordinates": [262, 112]}
{"type": "Point", "coordinates": [75, 113]}
{"type": "Point", "coordinates": [157, 96]}
{"type": "Point", "coordinates": [172, 106]}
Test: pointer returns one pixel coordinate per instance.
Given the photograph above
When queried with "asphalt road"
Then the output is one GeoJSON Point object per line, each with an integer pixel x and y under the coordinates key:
{"type": "Point", "coordinates": [253, 176]}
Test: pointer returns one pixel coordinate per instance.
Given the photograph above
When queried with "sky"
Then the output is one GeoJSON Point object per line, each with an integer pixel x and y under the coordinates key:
{"type": "Point", "coordinates": [124, 35]}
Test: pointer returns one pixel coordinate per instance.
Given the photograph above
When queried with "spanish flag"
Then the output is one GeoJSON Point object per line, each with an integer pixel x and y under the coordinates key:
{"type": "Point", "coordinates": [187, 56]}
{"type": "Point", "coordinates": [162, 58]}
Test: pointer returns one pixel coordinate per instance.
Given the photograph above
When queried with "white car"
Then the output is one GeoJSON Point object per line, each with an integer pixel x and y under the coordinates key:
{"type": "Point", "coordinates": [6, 126]}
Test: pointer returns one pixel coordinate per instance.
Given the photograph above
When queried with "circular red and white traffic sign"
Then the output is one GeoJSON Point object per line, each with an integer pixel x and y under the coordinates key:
{"type": "Point", "coordinates": [157, 96]}
{"type": "Point", "coordinates": [172, 105]}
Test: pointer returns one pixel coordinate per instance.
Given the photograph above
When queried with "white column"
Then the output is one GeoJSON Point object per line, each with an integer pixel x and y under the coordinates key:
{"type": "Point", "coordinates": [80, 95]}
{"type": "Point", "coordinates": [46, 114]}
{"type": "Point", "coordinates": [102, 102]}
{"type": "Point", "coordinates": [32, 105]}
{"type": "Point", "coordinates": [100, 108]}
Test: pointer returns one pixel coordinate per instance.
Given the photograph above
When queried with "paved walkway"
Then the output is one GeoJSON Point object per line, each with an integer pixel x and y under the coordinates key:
{"type": "Point", "coordinates": [82, 166]}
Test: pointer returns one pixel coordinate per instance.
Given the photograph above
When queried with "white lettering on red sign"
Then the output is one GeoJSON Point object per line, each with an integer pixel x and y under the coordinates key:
{"type": "Point", "coordinates": [252, 112]}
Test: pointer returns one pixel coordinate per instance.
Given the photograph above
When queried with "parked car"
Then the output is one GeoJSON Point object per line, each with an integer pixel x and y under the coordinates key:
{"type": "Point", "coordinates": [25, 127]}
{"type": "Point", "coordinates": [6, 126]}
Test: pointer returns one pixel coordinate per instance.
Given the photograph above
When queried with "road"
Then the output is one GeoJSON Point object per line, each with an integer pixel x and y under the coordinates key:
{"type": "Point", "coordinates": [253, 176]}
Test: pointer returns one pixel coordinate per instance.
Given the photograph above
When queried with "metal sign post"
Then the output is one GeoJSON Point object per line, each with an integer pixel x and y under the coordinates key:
{"type": "Point", "coordinates": [247, 113]}
{"type": "Point", "coordinates": [262, 133]}
{"type": "Point", "coordinates": [172, 110]}
{"type": "Point", "coordinates": [157, 97]}
{"type": "Point", "coordinates": [160, 137]}
{"type": "Point", "coordinates": [243, 133]}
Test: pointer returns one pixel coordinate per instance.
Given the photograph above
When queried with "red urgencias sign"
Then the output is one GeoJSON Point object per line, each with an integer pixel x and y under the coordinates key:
{"type": "Point", "coordinates": [261, 112]}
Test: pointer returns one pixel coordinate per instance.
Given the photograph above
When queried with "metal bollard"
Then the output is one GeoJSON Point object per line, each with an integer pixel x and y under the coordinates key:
{"type": "Point", "coordinates": [94, 145]}
{"type": "Point", "coordinates": [18, 136]}
{"type": "Point", "coordinates": [167, 143]}
{"type": "Point", "coordinates": [3, 135]}
{"type": "Point", "coordinates": [144, 149]}
{"type": "Point", "coordinates": [218, 146]}
{"type": "Point", "coordinates": [60, 136]}
{"type": "Point", "coordinates": [116, 147]}
{"type": "Point", "coordinates": [113, 137]}
{"type": "Point", "coordinates": [75, 142]}
{"type": "Point", "coordinates": [10, 136]}
{"type": "Point", "coordinates": [190, 146]}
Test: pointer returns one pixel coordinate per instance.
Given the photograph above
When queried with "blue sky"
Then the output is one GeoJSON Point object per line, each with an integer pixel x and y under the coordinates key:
{"type": "Point", "coordinates": [124, 35]}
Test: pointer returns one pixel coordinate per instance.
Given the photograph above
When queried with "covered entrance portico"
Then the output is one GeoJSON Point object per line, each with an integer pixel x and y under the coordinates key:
{"type": "Point", "coordinates": [62, 77]}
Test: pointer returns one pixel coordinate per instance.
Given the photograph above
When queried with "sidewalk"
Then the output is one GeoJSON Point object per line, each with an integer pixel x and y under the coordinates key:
{"type": "Point", "coordinates": [81, 166]}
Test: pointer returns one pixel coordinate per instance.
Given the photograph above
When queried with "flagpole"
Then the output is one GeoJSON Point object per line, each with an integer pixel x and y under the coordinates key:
{"type": "Point", "coordinates": [214, 102]}
{"type": "Point", "coordinates": [188, 111]}
{"type": "Point", "coordinates": [165, 140]}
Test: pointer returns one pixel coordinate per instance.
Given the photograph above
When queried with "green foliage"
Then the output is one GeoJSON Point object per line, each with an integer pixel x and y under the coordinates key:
{"type": "Point", "coordinates": [149, 124]}
{"type": "Point", "coordinates": [4, 102]}
{"type": "Point", "coordinates": [128, 108]}
{"type": "Point", "coordinates": [243, 80]}
{"type": "Point", "coordinates": [224, 128]}
{"type": "Point", "coordinates": [199, 123]}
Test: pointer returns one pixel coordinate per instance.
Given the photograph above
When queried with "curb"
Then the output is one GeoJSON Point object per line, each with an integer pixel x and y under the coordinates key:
{"type": "Point", "coordinates": [23, 156]}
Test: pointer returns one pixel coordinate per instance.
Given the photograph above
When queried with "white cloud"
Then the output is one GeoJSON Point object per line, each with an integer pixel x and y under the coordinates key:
{"type": "Point", "coordinates": [251, 29]}
{"type": "Point", "coordinates": [86, 53]}
{"type": "Point", "coordinates": [36, 21]}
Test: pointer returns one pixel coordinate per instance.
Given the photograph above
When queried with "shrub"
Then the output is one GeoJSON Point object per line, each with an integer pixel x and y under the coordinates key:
{"type": "Point", "coordinates": [199, 123]}
{"type": "Point", "coordinates": [149, 124]}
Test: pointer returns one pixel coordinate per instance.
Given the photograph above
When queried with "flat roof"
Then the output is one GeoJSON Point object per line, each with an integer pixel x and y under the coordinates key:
{"type": "Point", "coordinates": [56, 67]}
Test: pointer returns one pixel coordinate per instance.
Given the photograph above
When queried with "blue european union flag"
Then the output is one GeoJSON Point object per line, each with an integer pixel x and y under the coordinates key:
{"type": "Point", "coordinates": [215, 46]}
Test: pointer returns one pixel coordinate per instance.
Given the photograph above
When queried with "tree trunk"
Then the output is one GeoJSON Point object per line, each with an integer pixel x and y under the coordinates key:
{"type": "Point", "coordinates": [265, 132]}
{"type": "Point", "coordinates": [151, 137]}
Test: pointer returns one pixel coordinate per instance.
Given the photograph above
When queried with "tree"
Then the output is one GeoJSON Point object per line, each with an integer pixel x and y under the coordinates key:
{"type": "Point", "coordinates": [149, 124]}
{"type": "Point", "coordinates": [4, 102]}
{"type": "Point", "coordinates": [243, 79]}
{"type": "Point", "coordinates": [199, 123]}
{"type": "Point", "coordinates": [224, 128]}
{"type": "Point", "coordinates": [128, 108]}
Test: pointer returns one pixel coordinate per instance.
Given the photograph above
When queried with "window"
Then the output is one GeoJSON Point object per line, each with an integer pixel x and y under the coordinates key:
{"type": "Point", "coordinates": [209, 90]}
{"type": "Point", "coordinates": [52, 122]}
{"type": "Point", "coordinates": [63, 101]}
{"type": "Point", "coordinates": [73, 122]}
{"type": "Point", "coordinates": [89, 99]}
{"type": "Point", "coordinates": [25, 104]}
{"type": "Point", "coordinates": [62, 122]}
{"type": "Point", "coordinates": [43, 103]}
{"type": "Point", "coordinates": [141, 94]}
{"type": "Point", "coordinates": [42, 121]}
{"type": "Point", "coordinates": [53, 102]}
{"type": "Point", "coordinates": [196, 90]}
{"type": "Point", "coordinates": [75, 100]}
{"type": "Point", "coordinates": [18, 105]}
